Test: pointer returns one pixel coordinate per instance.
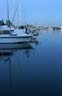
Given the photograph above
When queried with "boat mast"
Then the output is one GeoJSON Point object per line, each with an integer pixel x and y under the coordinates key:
{"type": "Point", "coordinates": [18, 12]}
{"type": "Point", "coordinates": [8, 10]}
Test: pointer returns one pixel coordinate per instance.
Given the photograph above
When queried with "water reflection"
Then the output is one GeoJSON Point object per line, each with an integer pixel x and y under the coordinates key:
{"type": "Point", "coordinates": [10, 55]}
{"type": "Point", "coordinates": [32, 69]}
{"type": "Point", "coordinates": [9, 50]}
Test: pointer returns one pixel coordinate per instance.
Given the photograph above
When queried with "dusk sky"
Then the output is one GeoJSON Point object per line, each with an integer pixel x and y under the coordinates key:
{"type": "Point", "coordinates": [46, 12]}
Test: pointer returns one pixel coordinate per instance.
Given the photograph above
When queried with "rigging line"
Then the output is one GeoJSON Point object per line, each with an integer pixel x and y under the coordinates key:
{"type": "Point", "coordinates": [15, 14]}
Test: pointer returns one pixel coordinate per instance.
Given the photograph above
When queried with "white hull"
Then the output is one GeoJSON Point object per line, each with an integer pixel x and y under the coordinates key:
{"type": "Point", "coordinates": [15, 39]}
{"type": "Point", "coordinates": [17, 36]}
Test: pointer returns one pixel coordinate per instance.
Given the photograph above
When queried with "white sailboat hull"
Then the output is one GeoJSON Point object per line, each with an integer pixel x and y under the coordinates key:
{"type": "Point", "coordinates": [14, 39]}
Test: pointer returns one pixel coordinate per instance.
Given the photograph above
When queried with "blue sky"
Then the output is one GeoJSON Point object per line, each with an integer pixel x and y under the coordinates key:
{"type": "Point", "coordinates": [46, 12]}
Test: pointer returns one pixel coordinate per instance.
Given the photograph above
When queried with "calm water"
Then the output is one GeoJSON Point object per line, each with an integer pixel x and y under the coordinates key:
{"type": "Point", "coordinates": [32, 69]}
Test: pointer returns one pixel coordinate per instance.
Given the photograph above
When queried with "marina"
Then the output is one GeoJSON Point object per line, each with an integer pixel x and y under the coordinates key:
{"type": "Point", "coordinates": [30, 48]}
{"type": "Point", "coordinates": [9, 34]}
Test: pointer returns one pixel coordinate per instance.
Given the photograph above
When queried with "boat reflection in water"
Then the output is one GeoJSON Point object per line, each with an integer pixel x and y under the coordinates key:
{"type": "Point", "coordinates": [7, 50]}
{"type": "Point", "coordinates": [9, 55]}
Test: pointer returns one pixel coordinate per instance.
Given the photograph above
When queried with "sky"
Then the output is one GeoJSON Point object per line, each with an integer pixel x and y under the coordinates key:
{"type": "Point", "coordinates": [45, 12]}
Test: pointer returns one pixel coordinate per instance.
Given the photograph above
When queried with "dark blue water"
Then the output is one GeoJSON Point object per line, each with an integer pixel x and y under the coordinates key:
{"type": "Point", "coordinates": [32, 69]}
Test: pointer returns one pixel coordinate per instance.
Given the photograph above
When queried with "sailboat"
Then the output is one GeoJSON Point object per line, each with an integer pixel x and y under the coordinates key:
{"type": "Point", "coordinates": [10, 35]}
{"type": "Point", "coordinates": [6, 26]}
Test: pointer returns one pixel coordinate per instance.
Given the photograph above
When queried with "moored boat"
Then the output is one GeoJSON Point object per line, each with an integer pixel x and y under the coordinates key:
{"type": "Point", "coordinates": [11, 35]}
{"type": "Point", "coordinates": [15, 37]}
